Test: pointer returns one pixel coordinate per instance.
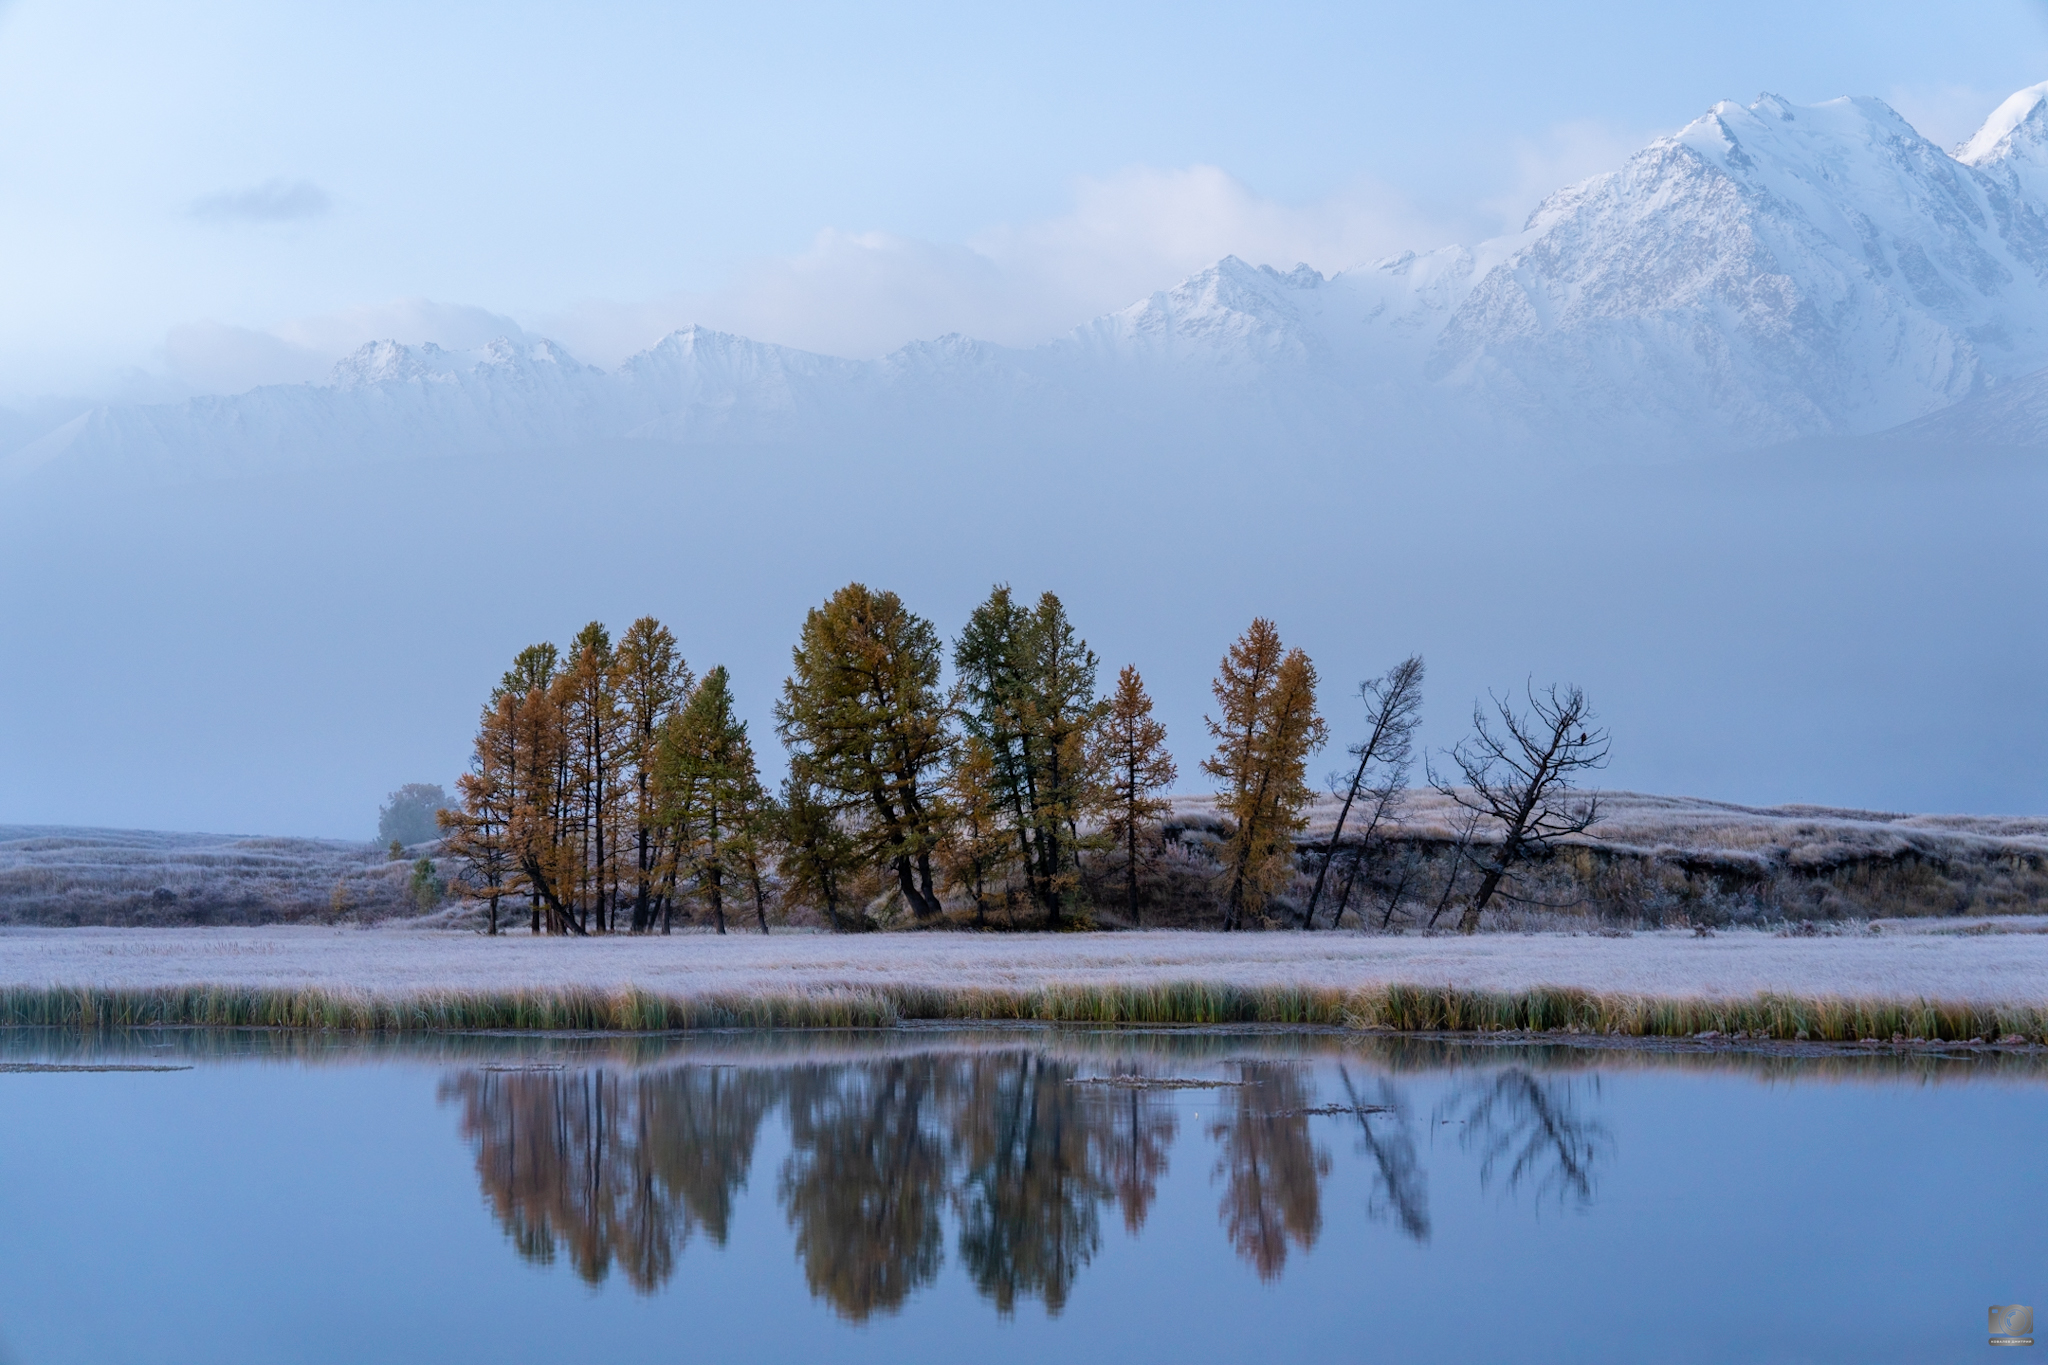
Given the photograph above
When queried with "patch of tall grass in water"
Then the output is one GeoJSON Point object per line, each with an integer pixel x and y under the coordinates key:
{"type": "Point", "coordinates": [1395, 1008]}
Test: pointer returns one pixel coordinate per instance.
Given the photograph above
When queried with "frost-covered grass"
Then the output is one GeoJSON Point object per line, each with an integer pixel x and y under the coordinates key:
{"type": "Point", "coordinates": [1915, 981]}
{"type": "Point", "coordinates": [64, 875]}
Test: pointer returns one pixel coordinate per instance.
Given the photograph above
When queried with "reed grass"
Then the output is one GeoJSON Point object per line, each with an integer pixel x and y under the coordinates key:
{"type": "Point", "coordinates": [1394, 1008]}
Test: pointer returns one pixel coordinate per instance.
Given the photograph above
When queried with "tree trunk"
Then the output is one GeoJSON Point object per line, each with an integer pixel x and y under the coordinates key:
{"type": "Point", "coordinates": [760, 891]}
{"type": "Point", "coordinates": [1468, 923]}
{"type": "Point", "coordinates": [1131, 863]}
{"type": "Point", "coordinates": [1394, 899]}
{"type": "Point", "coordinates": [906, 882]}
{"type": "Point", "coordinates": [924, 883]}
{"type": "Point", "coordinates": [1234, 908]}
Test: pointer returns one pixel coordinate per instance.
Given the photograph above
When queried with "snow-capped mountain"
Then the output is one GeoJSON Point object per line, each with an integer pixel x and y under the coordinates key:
{"type": "Point", "coordinates": [1767, 272]}
{"type": "Point", "coordinates": [2012, 146]}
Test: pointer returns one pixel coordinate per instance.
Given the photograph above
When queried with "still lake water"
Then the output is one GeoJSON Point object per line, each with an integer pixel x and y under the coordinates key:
{"type": "Point", "coordinates": [983, 1195]}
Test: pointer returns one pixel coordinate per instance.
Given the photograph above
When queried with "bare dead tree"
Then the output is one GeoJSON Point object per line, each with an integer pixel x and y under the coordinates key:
{"type": "Point", "coordinates": [1393, 706]}
{"type": "Point", "coordinates": [1521, 776]}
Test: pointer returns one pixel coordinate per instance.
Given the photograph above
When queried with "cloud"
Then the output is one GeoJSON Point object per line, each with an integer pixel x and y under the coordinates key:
{"type": "Point", "coordinates": [1163, 225]}
{"type": "Point", "coordinates": [218, 357]}
{"type": "Point", "coordinates": [863, 294]}
{"type": "Point", "coordinates": [1125, 236]}
{"type": "Point", "coordinates": [457, 326]}
{"type": "Point", "coordinates": [274, 201]}
{"type": "Point", "coordinates": [214, 357]}
{"type": "Point", "coordinates": [1563, 155]}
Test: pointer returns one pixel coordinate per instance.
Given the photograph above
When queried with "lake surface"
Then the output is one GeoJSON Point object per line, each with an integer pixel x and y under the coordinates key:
{"type": "Point", "coordinates": [1005, 1195]}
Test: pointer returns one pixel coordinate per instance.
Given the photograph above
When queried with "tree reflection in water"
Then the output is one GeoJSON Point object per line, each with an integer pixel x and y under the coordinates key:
{"type": "Point", "coordinates": [1274, 1173]}
{"type": "Point", "coordinates": [619, 1167]}
{"type": "Point", "coordinates": [608, 1167]}
{"type": "Point", "coordinates": [1031, 1179]}
{"type": "Point", "coordinates": [1529, 1133]}
{"type": "Point", "coordinates": [865, 1180]}
{"type": "Point", "coordinates": [1138, 1127]}
{"type": "Point", "coordinates": [1400, 1185]}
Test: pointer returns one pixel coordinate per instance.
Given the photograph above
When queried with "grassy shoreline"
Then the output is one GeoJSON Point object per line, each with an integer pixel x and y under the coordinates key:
{"type": "Point", "coordinates": [1390, 1007]}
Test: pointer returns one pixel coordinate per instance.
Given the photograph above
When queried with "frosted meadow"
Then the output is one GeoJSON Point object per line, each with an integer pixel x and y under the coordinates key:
{"type": "Point", "coordinates": [1995, 961]}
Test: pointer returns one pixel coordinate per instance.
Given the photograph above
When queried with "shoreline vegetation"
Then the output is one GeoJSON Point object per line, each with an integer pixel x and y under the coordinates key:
{"type": "Point", "coordinates": [1653, 861]}
{"type": "Point", "coordinates": [1949, 982]}
{"type": "Point", "coordinates": [1546, 1010]}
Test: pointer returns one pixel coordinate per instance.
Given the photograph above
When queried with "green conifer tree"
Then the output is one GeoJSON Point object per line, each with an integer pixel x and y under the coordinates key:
{"type": "Point", "coordinates": [862, 712]}
{"type": "Point", "coordinates": [813, 851]}
{"type": "Point", "coordinates": [1026, 691]}
{"type": "Point", "coordinates": [707, 764]}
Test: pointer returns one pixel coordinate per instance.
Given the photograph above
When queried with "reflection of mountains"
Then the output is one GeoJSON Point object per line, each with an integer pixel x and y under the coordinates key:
{"type": "Point", "coordinates": [610, 1167]}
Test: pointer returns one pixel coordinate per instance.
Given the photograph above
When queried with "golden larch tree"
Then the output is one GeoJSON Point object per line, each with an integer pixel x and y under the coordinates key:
{"type": "Point", "coordinates": [1268, 728]}
{"type": "Point", "coordinates": [978, 851]}
{"type": "Point", "coordinates": [476, 834]}
{"type": "Point", "coordinates": [1127, 753]}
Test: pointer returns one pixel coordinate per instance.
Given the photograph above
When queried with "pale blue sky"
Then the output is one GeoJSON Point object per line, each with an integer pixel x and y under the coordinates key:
{"type": "Point", "coordinates": [230, 192]}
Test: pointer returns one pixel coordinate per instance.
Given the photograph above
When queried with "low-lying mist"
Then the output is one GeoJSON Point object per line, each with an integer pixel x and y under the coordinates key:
{"type": "Point", "coordinates": [1855, 626]}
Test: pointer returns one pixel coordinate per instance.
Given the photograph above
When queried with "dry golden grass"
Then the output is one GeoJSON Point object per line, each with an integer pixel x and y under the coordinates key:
{"type": "Point", "coordinates": [1399, 1008]}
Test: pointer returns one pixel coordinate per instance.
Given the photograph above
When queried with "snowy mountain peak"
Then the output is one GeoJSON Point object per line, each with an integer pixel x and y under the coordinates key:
{"type": "Point", "coordinates": [394, 362]}
{"type": "Point", "coordinates": [2011, 150]}
{"type": "Point", "coordinates": [700, 351]}
{"type": "Point", "coordinates": [1232, 308]}
{"type": "Point", "coordinates": [385, 362]}
{"type": "Point", "coordinates": [1774, 270]}
{"type": "Point", "coordinates": [1992, 142]}
{"type": "Point", "coordinates": [537, 351]}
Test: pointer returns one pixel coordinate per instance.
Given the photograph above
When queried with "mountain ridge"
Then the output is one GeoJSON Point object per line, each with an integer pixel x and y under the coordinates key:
{"type": "Point", "coordinates": [1768, 272]}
